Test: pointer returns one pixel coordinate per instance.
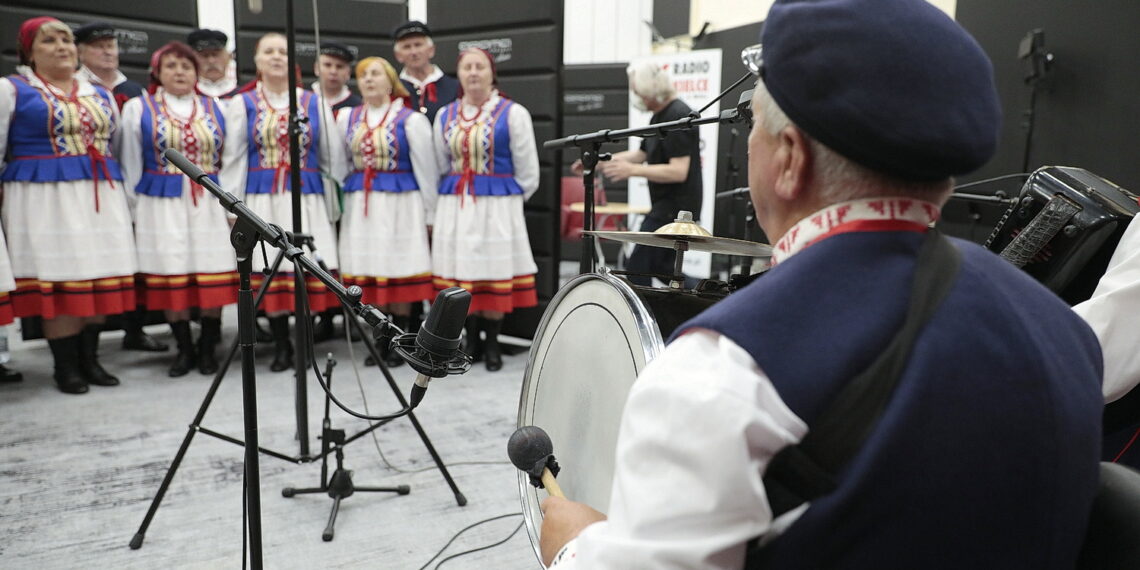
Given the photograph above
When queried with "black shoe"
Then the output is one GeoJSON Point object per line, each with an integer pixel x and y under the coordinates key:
{"type": "Point", "coordinates": [184, 361]}
{"type": "Point", "coordinates": [282, 346]}
{"type": "Point", "coordinates": [89, 365]}
{"type": "Point", "coordinates": [65, 352]}
{"type": "Point", "coordinates": [141, 341]}
{"type": "Point", "coordinates": [492, 352]}
{"type": "Point", "coordinates": [207, 344]}
{"type": "Point", "coordinates": [323, 327]}
{"type": "Point", "coordinates": [7, 375]}
{"type": "Point", "coordinates": [472, 343]}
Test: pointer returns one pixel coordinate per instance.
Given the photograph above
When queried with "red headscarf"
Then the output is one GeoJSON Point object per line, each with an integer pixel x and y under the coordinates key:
{"type": "Point", "coordinates": [173, 48]}
{"type": "Point", "coordinates": [27, 35]}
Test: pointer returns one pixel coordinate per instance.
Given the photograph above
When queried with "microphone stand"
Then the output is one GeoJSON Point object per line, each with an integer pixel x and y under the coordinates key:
{"type": "Point", "coordinates": [301, 319]}
{"type": "Point", "coordinates": [247, 231]}
{"type": "Point", "coordinates": [591, 143]}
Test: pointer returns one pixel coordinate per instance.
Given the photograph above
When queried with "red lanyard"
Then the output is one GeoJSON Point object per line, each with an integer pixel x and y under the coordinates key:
{"type": "Point", "coordinates": [467, 176]}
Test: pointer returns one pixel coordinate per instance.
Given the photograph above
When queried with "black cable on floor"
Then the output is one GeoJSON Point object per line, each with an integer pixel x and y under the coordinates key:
{"type": "Point", "coordinates": [465, 529]}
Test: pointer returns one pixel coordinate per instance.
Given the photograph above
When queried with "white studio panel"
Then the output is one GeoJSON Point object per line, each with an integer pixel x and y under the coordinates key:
{"type": "Point", "coordinates": [600, 31]}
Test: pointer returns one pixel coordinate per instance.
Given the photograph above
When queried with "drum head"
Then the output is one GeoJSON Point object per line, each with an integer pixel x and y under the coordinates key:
{"type": "Point", "coordinates": [593, 341]}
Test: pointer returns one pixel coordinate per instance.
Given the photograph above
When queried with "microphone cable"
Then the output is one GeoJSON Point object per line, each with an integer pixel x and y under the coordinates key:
{"type": "Point", "coordinates": [467, 528]}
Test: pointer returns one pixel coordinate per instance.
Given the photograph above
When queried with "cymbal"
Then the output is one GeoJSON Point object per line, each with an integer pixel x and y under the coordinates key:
{"type": "Point", "coordinates": [709, 243]}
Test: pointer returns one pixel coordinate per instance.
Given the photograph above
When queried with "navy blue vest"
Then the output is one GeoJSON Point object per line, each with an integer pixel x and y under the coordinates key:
{"type": "Point", "coordinates": [987, 455]}
{"type": "Point", "coordinates": [446, 90]}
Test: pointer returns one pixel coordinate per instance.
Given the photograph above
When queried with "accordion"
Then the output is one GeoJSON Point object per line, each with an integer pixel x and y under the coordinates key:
{"type": "Point", "coordinates": [1064, 228]}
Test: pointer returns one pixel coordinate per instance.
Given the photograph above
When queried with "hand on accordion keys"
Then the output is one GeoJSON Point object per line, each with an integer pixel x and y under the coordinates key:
{"type": "Point", "coordinates": [531, 450]}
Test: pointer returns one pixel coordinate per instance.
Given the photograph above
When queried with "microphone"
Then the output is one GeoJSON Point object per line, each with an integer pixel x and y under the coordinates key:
{"type": "Point", "coordinates": [532, 452]}
{"type": "Point", "coordinates": [433, 352]}
{"type": "Point", "coordinates": [188, 168]}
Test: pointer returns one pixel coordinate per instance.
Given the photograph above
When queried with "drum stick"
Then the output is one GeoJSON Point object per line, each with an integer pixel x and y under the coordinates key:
{"type": "Point", "coordinates": [551, 484]}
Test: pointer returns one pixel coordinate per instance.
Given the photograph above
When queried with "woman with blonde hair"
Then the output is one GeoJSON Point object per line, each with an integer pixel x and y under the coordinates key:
{"type": "Point", "coordinates": [255, 166]}
{"type": "Point", "coordinates": [389, 196]}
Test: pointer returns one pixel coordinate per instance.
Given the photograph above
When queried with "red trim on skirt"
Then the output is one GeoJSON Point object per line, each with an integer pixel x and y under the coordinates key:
{"type": "Point", "coordinates": [503, 296]}
{"type": "Point", "coordinates": [181, 292]}
{"type": "Point", "coordinates": [384, 290]}
{"type": "Point", "coordinates": [51, 299]}
{"type": "Point", "coordinates": [279, 297]}
{"type": "Point", "coordinates": [6, 314]}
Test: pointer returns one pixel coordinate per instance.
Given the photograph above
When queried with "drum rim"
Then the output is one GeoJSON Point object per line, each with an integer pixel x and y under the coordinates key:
{"type": "Point", "coordinates": [646, 328]}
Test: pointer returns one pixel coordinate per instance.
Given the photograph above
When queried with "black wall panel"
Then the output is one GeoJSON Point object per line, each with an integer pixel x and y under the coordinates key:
{"type": "Point", "coordinates": [1088, 112]}
{"type": "Point", "coordinates": [140, 29]}
{"type": "Point", "coordinates": [525, 38]}
{"type": "Point", "coordinates": [363, 25]}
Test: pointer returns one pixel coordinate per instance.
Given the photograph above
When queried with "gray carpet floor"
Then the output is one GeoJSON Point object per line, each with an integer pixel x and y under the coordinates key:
{"type": "Point", "coordinates": [78, 473]}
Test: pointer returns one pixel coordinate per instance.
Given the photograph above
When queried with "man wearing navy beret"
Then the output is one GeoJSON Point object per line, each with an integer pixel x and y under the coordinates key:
{"type": "Point", "coordinates": [984, 452]}
{"type": "Point", "coordinates": [430, 87]}
{"type": "Point", "coordinates": [333, 68]}
{"type": "Point", "coordinates": [218, 74]}
{"type": "Point", "coordinates": [99, 59]}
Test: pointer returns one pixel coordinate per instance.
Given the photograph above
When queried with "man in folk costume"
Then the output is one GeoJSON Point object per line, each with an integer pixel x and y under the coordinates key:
{"type": "Point", "coordinates": [218, 73]}
{"type": "Point", "coordinates": [65, 210]}
{"type": "Point", "coordinates": [429, 87]}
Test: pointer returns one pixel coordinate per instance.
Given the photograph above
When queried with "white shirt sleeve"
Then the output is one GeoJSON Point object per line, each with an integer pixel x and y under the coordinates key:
{"type": "Point", "coordinates": [332, 155]}
{"type": "Point", "coordinates": [7, 109]}
{"type": "Point", "coordinates": [698, 430]}
{"type": "Point", "coordinates": [442, 152]}
{"type": "Point", "coordinates": [235, 160]}
{"type": "Point", "coordinates": [131, 149]}
{"type": "Point", "coordinates": [1111, 312]}
{"type": "Point", "coordinates": [524, 152]}
{"type": "Point", "coordinates": [342, 132]}
{"type": "Point", "coordinates": [424, 166]}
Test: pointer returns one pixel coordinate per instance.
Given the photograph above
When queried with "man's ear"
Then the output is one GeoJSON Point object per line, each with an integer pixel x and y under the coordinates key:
{"type": "Point", "coordinates": [794, 161]}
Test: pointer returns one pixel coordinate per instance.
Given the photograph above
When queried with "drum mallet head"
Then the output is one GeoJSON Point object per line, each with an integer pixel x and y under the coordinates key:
{"type": "Point", "coordinates": [531, 451]}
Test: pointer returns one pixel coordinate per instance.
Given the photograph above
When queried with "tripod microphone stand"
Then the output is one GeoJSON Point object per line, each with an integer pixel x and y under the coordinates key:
{"type": "Point", "coordinates": [339, 486]}
{"type": "Point", "coordinates": [244, 236]}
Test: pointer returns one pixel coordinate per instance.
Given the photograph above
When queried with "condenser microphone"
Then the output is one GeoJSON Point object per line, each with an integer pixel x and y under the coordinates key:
{"type": "Point", "coordinates": [433, 352]}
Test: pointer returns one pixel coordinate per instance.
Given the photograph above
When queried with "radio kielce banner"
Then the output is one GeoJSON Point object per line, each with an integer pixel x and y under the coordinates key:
{"type": "Point", "coordinates": [696, 78]}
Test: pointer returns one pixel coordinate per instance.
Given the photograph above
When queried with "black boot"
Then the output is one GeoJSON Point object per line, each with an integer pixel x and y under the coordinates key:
{"type": "Point", "coordinates": [393, 358]}
{"type": "Point", "coordinates": [282, 346]}
{"type": "Point", "coordinates": [8, 375]}
{"type": "Point", "coordinates": [65, 351]}
{"type": "Point", "coordinates": [263, 336]}
{"type": "Point", "coordinates": [492, 353]}
{"type": "Point", "coordinates": [323, 325]}
{"type": "Point", "coordinates": [136, 338]}
{"type": "Point", "coordinates": [472, 344]}
{"type": "Point", "coordinates": [211, 336]}
{"type": "Point", "coordinates": [89, 365]}
{"type": "Point", "coordinates": [184, 361]}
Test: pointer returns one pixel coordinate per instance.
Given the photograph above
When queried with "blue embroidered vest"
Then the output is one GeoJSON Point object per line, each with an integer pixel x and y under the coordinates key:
{"type": "Point", "coordinates": [46, 138]}
{"type": "Point", "coordinates": [390, 169]}
{"type": "Point", "coordinates": [480, 153]}
{"type": "Point", "coordinates": [267, 133]}
{"type": "Point", "coordinates": [160, 132]}
{"type": "Point", "coordinates": [986, 456]}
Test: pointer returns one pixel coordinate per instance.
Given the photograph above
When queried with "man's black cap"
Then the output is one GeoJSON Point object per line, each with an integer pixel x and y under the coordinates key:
{"type": "Point", "coordinates": [94, 31]}
{"type": "Point", "coordinates": [338, 50]}
{"type": "Point", "coordinates": [414, 27]}
{"type": "Point", "coordinates": [203, 39]}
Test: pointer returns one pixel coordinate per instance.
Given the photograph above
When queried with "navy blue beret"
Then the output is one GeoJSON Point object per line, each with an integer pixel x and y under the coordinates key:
{"type": "Point", "coordinates": [337, 50]}
{"type": "Point", "coordinates": [94, 31]}
{"type": "Point", "coordinates": [203, 39]}
{"type": "Point", "coordinates": [894, 85]}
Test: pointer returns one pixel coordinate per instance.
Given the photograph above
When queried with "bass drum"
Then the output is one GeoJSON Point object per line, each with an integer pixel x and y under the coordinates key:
{"type": "Point", "coordinates": [596, 336]}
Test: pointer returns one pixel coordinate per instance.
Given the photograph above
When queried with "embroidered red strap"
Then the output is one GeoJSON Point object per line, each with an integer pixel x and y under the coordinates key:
{"type": "Point", "coordinates": [430, 92]}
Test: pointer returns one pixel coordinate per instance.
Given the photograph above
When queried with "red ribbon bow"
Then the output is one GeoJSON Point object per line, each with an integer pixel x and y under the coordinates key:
{"type": "Point", "coordinates": [98, 164]}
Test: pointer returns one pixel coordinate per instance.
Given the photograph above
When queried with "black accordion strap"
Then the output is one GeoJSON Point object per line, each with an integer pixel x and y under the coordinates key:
{"type": "Point", "coordinates": [803, 472]}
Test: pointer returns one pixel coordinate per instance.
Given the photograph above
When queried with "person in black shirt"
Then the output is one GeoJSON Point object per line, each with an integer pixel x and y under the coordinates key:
{"type": "Point", "coordinates": [671, 165]}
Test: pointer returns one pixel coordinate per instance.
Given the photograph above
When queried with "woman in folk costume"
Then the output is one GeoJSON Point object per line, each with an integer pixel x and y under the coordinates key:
{"type": "Point", "coordinates": [485, 146]}
{"type": "Point", "coordinates": [389, 197]}
{"type": "Point", "coordinates": [181, 230]}
{"type": "Point", "coordinates": [65, 208]}
{"type": "Point", "coordinates": [255, 166]}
